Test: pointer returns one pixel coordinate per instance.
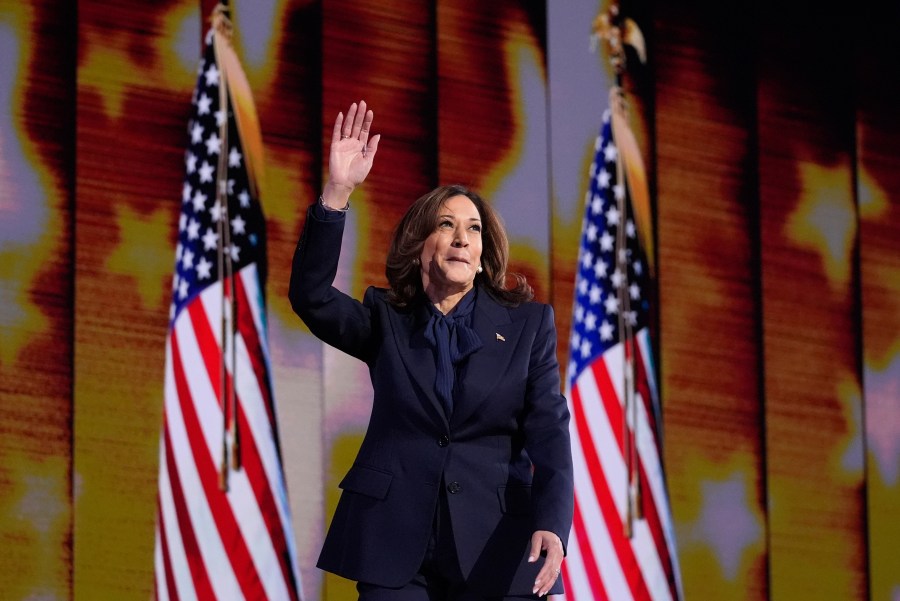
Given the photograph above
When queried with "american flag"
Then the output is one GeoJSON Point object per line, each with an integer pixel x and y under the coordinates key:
{"type": "Point", "coordinates": [621, 546]}
{"type": "Point", "coordinates": [223, 523]}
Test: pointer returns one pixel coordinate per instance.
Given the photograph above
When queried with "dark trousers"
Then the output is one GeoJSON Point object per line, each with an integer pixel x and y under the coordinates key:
{"type": "Point", "coordinates": [439, 578]}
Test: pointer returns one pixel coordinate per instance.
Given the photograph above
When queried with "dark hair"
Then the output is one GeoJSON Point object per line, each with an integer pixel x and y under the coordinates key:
{"type": "Point", "coordinates": [420, 221]}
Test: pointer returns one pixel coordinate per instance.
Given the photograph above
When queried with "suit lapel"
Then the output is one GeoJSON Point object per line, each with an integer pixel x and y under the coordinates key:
{"type": "Point", "coordinates": [499, 337]}
{"type": "Point", "coordinates": [418, 356]}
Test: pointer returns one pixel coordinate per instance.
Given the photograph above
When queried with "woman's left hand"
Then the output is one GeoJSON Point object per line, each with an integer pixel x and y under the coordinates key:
{"type": "Point", "coordinates": [544, 540]}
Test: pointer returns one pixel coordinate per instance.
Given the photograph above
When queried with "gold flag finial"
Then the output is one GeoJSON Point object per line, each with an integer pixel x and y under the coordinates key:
{"type": "Point", "coordinates": [618, 31]}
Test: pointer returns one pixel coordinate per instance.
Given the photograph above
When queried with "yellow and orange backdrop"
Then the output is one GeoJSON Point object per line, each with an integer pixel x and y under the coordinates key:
{"type": "Point", "coordinates": [772, 138]}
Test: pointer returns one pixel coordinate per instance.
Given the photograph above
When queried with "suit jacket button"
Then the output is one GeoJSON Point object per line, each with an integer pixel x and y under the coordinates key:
{"type": "Point", "coordinates": [454, 488]}
{"type": "Point", "coordinates": [443, 441]}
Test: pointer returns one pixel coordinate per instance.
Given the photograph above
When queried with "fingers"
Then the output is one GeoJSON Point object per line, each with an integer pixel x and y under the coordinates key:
{"type": "Point", "coordinates": [347, 127]}
{"type": "Point", "coordinates": [549, 573]}
{"type": "Point", "coordinates": [358, 120]}
{"type": "Point", "coordinates": [536, 541]}
{"type": "Point", "coordinates": [336, 131]}
{"type": "Point", "coordinates": [372, 146]}
{"type": "Point", "coordinates": [356, 126]}
{"type": "Point", "coordinates": [366, 125]}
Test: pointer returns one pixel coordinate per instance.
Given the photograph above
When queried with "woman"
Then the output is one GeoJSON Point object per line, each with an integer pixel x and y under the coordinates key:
{"type": "Point", "coordinates": [462, 488]}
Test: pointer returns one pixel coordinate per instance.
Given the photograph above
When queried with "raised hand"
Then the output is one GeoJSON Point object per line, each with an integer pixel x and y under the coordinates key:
{"type": "Point", "coordinates": [352, 154]}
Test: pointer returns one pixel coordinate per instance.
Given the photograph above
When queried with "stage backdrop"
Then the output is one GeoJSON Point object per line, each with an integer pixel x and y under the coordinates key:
{"type": "Point", "coordinates": [772, 138]}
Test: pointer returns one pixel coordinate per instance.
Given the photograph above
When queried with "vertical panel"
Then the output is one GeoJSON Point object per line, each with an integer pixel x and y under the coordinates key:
{"type": "Point", "coordinates": [279, 45]}
{"type": "Point", "coordinates": [492, 119]}
{"type": "Point", "coordinates": [878, 190]}
{"type": "Point", "coordinates": [37, 119]}
{"type": "Point", "coordinates": [382, 53]}
{"type": "Point", "coordinates": [808, 232]}
{"type": "Point", "coordinates": [708, 291]}
{"type": "Point", "coordinates": [579, 82]}
{"type": "Point", "coordinates": [136, 68]}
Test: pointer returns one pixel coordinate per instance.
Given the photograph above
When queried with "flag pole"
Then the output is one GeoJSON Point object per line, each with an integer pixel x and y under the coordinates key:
{"type": "Point", "coordinates": [617, 31]}
{"type": "Point", "coordinates": [231, 439]}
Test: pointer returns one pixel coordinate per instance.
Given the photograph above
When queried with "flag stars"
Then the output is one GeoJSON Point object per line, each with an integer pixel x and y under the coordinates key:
{"type": "Point", "coordinates": [638, 267]}
{"type": "Point", "coordinates": [617, 278]}
{"type": "Point", "coordinates": [204, 268]}
{"type": "Point", "coordinates": [612, 216]}
{"type": "Point", "coordinates": [204, 104]}
{"type": "Point", "coordinates": [619, 192]}
{"type": "Point", "coordinates": [212, 76]}
{"type": "Point", "coordinates": [182, 222]}
{"type": "Point", "coordinates": [183, 289]}
{"type": "Point", "coordinates": [206, 172]}
{"type": "Point", "coordinates": [600, 269]}
{"type": "Point", "coordinates": [630, 230]}
{"type": "Point", "coordinates": [606, 330]}
{"type": "Point", "coordinates": [591, 232]}
{"type": "Point", "coordinates": [210, 239]}
{"type": "Point", "coordinates": [213, 144]}
{"type": "Point", "coordinates": [603, 179]}
{"type": "Point", "coordinates": [186, 192]}
{"type": "Point", "coordinates": [187, 260]}
{"type": "Point", "coordinates": [634, 291]}
{"type": "Point", "coordinates": [611, 304]}
{"type": "Point", "coordinates": [579, 313]}
{"type": "Point", "coordinates": [190, 162]}
{"type": "Point", "coordinates": [596, 205]}
{"type": "Point", "coordinates": [238, 225]}
{"type": "Point", "coordinates": [585, 348]}
{"type": "Point", "coordinates": [244, 198]}
{"type": "Point", "coordinates": [587, 258]}
{"type": "Point", "coordinates": [576, 340]}
{"type": "Point", "coordinates": [193, 229]}
{"type": "Point", "coordinates": [235, 251]}
{"type": "Point", "coordinates": [199, 201]}
{"type": "Point", "coordinates": [216, 211]}
{"type": "Point", "coordinates": [595, 294]}
{"type": "Point", "coordinates": [610, 153]}
{"type": "Point", "coordinates": [196, 133]}
{"type": "Point", "coordinates": [220, 118]}
{"type": "Point", "coordinates": [590, 321]}
{"type": "Point", "coordinates": [606, 242]}
{"type": "Point", "coordinates": [234, 157]}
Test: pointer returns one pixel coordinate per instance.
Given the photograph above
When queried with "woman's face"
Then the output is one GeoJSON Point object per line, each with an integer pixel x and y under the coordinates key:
{"type": "Point", "coordinates": [452, 252]}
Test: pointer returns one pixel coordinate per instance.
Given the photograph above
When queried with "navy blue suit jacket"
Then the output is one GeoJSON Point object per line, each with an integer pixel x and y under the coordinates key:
{"type": "Point", "coordinates": [503, 455]}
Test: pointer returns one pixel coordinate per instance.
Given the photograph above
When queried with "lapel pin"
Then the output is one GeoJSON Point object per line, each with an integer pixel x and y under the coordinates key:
{"type": "Point", "coordinates": [500, 337]}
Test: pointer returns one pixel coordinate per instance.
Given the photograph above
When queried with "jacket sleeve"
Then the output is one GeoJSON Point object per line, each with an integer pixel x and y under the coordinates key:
{"type": "Point", "coordinates": [332, 316]}
{"type": "Point", "coordinates": [546, 427]}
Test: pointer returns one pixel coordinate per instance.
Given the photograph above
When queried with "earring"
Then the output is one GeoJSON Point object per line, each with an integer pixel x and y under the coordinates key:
{"type": "Point", "coordinates": [479, 270]}
{"type": "Point", "coordinates": [415, 262]}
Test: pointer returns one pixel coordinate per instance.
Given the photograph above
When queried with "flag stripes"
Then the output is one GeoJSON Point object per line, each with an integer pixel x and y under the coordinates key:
{"type": "Point", "coordinates": [622, 546]}
{"type": "Point", "coordinates": [262, 566]}
{"type": "Point", "coordinates": [224, 523]}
